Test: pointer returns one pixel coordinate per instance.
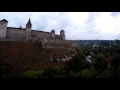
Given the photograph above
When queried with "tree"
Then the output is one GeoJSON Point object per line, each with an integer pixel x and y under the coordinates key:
{"type": "Point", "coordinates": [117, 73]}
{"type": "Point", "coordinates": [115, 61]}
{"type": "Point", "coordinates": [61, 72]}
{"type": "Point", "coordinates": [89, 73]}
{"type": "Point", "coordinates": [107, 73]}
{"type": "Point", "coordinates": [75, 64]}
{"type": "Point", "coordinates": [81, 55]}
{"type": "Point", "coordinates": [103, 51]}
{"type": "Point", "coordinates": [4, 71]}
{"type": "Point", "coordinates": [49, 72]}
{"type": "Point", "coordinates": [100, 62]}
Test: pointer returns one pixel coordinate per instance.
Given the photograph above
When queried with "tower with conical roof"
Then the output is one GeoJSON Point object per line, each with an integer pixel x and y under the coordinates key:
{"type": "Point", "coordinates": [28, 31]}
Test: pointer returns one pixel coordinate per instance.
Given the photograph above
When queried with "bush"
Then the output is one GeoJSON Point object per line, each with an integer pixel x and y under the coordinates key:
{"type": "Point", "coordinates": [106, 74]}
{"type": "Point", "coordinates": [3, 71]}
{"type": "Point", "coordinates": [89, 73]}
{"type": "Point", "coordinates": [31, 74]}
{"type": "Point", "coordinates": [11, 75]}
{"type": "Point", "coordinates": [61, 72]}
{"type": "Point", "coordinates": [49, 72]}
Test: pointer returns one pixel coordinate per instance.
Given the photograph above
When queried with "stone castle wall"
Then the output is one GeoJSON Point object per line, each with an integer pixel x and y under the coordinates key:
{"type": "Point", "coordinates": [40, 34]}
{"type": "Point", "coordinates": [58, 44]}
{"type": "Point", "coordinates": [19, 34]}
{"type": "Point", "coordinates": [15, 33]}
{"type": "Point", "coordinates": [26, 34]}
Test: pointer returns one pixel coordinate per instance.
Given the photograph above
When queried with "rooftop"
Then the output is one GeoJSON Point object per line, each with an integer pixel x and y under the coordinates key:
{"type": "Point", "coordinates": [4, 20]}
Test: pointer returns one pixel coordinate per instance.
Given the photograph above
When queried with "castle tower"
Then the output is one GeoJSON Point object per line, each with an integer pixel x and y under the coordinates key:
{"type": "Point", "coordinates": [62, 34]}
{"type": "Point", "coordinates": [53, 34]}
{"type": "Point", "coordinates": [3, 28]}
{"type": "Point", "coordinates": [28, 31]}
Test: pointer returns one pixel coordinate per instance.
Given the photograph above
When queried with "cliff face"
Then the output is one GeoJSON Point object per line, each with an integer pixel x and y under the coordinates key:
{"type": "Point", "coordinates": [19, 57]}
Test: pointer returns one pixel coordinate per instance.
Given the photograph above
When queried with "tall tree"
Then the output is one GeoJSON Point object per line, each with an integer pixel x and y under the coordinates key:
{"type": "Point", "coordinates": [100, 62]}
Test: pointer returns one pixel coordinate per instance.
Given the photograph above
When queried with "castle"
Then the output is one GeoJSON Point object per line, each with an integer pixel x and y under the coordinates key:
{"type": "Point", "coordinates": [47, 39]}
{"type": "Point", "coordinates": [26, 34]}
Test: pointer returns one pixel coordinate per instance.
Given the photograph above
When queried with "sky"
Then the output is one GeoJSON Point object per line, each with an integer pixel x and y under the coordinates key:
{"type": "Point", "coordinates": [77, 25]}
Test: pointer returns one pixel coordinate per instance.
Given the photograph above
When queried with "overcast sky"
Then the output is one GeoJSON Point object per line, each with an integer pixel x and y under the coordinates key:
{"type": "Point", "coordinates": [77, 25]}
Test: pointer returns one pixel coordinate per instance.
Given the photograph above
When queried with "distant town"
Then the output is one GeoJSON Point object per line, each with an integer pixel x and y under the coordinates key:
{"type": "Point", "coordinates": [97, 43]}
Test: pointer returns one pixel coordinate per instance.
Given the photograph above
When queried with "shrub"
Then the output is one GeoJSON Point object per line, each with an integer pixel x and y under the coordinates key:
{"type": "Point", "coordinates": [31, 74]}
{"type": "Point", "coordinates": [49, 72]}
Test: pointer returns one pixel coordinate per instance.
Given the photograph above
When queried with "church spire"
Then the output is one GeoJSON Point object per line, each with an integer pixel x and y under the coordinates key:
{"type": "Point", "coordinates": [29, 25]}
{"type": "Point", "coordinates": [29, 21]}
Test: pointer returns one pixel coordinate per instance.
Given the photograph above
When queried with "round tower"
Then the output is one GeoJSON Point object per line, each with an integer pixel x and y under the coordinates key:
{"type": "Point", "coordinates": [62, 34]}
{"type": "Point", "coordinates": [28, 30]}
{"type": "Point", "coordinates": [53, 34]}
{"type": "Point", "coordinates": [3, 28]}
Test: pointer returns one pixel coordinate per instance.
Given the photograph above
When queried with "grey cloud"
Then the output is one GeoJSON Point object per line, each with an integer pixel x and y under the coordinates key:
{"type": "Point", "coordinates": [90, 24]}
{"type": "Point", "coordinates": [45, 22]}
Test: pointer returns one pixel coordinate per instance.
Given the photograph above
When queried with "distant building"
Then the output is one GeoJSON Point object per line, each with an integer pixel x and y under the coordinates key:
{"type": "Point", "coordinates": [95, 45]}
{"type": "Point", "coordinates": [88, 58]}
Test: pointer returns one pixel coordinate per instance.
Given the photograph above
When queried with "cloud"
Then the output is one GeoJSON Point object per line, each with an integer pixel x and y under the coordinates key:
{"type": "Point", "coordinates": [107, 25]}
{"type": "Point", "coordinates": [77, 25]}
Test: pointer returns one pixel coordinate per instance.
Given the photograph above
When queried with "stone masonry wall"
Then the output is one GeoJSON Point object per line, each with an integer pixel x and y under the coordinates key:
{"type": "Point", "coordinates": [19, 34]}
{"type": "Point", "coordinates": [15, 33]}
{"type": "Point", "coordinates": [40, 34]}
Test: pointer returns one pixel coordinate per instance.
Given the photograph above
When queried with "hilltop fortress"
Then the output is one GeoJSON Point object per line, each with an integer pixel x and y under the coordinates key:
{"type": "Point", "coordinates": [21, 34]}
{"type": "Point", "coordinates": [48, 39]}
